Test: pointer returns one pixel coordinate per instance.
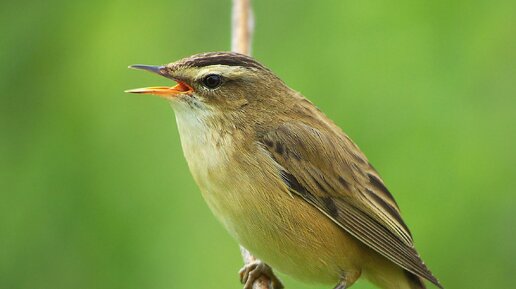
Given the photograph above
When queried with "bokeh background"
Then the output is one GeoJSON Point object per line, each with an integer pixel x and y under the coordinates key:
{"type": "Point", "coordinates": [95, 192]}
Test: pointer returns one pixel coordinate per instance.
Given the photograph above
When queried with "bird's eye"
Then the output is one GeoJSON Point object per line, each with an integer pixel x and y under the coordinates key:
{"type": "Point", "coordinates": [212, 81]}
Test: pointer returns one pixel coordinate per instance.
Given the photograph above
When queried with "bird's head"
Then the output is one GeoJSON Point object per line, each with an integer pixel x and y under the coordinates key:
{"type": "Point", "coordinates": [218, 82]}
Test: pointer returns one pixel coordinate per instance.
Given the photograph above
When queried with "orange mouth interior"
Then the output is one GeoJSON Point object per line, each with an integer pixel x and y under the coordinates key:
{"type": "Point", "coordinates": [164, 91]}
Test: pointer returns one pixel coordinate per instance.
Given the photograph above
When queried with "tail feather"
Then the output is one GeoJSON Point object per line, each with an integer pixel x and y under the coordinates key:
{"type": "Point", "coordinates": [394, 277]}
{"type": "Point", "coordinates": [415, 282]}
{"type": "Point", "coordinates": [387, 275]}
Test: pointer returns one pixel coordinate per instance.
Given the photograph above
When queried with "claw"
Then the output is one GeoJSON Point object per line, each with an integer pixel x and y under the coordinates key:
{"type": "Point", "coordinates": [253, 271]}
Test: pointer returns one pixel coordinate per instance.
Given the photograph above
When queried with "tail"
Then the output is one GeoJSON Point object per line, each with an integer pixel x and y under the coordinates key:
{"type": "Point", "coordinates": [414, 281]}
{"type": "Point", "coordinates": [387, 275]}
{"type": "Point", "coordinates": [394, 277]}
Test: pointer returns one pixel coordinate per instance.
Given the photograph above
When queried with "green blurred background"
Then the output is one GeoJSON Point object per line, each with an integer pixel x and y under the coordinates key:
{"type": "Point", "coordinates": [95, 192]}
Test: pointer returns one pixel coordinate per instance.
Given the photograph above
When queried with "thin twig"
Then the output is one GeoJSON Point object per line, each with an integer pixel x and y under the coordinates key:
{"type": "Point", "coordinates": [241, 39]}
{"type": "Point", "coordinates": [242, 27]}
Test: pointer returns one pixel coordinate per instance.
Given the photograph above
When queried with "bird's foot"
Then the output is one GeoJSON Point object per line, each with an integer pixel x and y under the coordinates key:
{"type": "Point", "coordinates": [253, 271]}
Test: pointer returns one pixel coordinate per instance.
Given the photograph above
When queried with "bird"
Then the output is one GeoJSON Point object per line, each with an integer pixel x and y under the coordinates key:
{"type": "Point", "coordinates": [284, 180]}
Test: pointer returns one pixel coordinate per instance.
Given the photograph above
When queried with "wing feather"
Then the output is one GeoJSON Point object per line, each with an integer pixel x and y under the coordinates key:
{"type": "Point", "coordinates": [336, 178]}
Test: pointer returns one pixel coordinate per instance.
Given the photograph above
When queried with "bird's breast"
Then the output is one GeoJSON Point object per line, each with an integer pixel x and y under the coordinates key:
{"type": "Point", "coordinates": [243, 188]}
{"type": "Point", "coordinates": [210, 154]}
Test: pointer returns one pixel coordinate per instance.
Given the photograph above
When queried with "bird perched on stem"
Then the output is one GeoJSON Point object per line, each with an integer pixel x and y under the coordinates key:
{"type": "Point", "coordinates": [284, 180]}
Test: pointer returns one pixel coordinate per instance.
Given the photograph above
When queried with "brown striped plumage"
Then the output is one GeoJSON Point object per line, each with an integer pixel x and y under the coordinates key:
{"type": "Point", "coordinates": [286, 182]}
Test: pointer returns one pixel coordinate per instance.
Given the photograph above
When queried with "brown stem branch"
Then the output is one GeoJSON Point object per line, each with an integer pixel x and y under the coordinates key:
{"type": "Point", "coordinates": [242, 26]}
{"type": "Point", "coordinates": [241, 38]}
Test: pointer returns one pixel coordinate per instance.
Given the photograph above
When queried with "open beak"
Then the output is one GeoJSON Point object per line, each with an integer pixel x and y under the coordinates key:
{"type": "Point", "coordinates": [163, 91]}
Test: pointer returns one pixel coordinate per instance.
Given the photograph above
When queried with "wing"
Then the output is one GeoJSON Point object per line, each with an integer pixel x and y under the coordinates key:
{"type": "Point", "coordinates": [325, 168]}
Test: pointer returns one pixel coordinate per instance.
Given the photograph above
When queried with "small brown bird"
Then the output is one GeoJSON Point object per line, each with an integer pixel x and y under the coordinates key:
{"type": "Point", "coordinates": [284, 180]}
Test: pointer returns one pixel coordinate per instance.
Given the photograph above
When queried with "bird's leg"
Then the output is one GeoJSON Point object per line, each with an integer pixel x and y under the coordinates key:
{"type": "Point", "coordinates": [254, 270]}
{"type": "Point", "coordinates": [341, 284]}
{"type": "Point", "coordinates": [347, 279]}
